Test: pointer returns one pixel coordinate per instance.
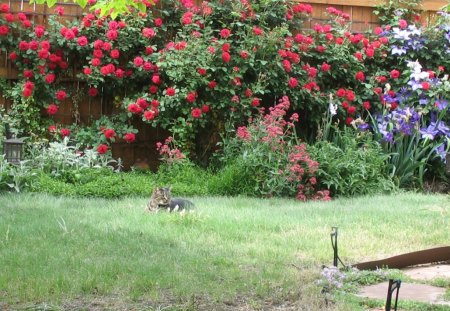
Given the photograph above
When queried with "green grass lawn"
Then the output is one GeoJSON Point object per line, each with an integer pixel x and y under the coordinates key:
{"type": "Point", "coordinates": [231, 254]}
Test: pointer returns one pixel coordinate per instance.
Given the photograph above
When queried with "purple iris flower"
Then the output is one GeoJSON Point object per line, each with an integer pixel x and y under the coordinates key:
{"type": "Point", "coordinates": [398, 50]}
{"type": "Point", "coordinates": [441, 151]}
{"type": "Point", "coordinates": [441, 104]}
{"type": "Point", "coordinates": [430, 132]}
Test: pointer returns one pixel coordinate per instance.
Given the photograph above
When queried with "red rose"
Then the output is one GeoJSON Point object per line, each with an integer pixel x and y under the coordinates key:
{"type": "Point", "coordinates": [149, 50]}
{"type": "Point", "coordinates": [59, 10]}
{"type": "Point", "coordinates": [52, 129]}
{"type": "Point", "coordinates": [82, 41]}
{"type": "Point", "coordinates": [147, 66]}
{"type": "Point", "coordinates": [226, 57]}
{"type": "Point", "coordinates": [148, 32]}
{"type": "Point", "coordinates": [256, 102]}
{"type": "Point", "coordinates": [325, 67]}
{"type": "Point", "coordinates": [96, 62]}
{"type": "Point", "coordinates": [13, 56]}
{"type": "Point", "coordinates": [4, 30]}
{"type": "Point", "coordinates": [129, 137]}
{"type": "Point", "coordinates": [92, 92]}
{"type": "Point", "coordinates": [109, 133]}
{"type": "Point", "coordinates": [170, 91]}
{"type": "Point", "coordinates": [119, 73]}
{"type": "Point", "coordinates": [149, 115]}
{"type": "Point", "coordinates": [395, 74]}
{"type": "Point", "coordinates": [191, 97]}
{"type": "Point", "coordinates": [201, 71]}
{"type": "Point", "coordinates": [205, 108]}
{"type": "Point", "coordinates": [9, 17]}
{"type": "Point", "coordinates": [348, 120]}
{"type": "Point", "coordinates": [153, 89]}
{"type": "Point", "coordinates": [50, 78]}
{"type": "Point", "coordinates": [351, 110]}
{"type": "Point", "coordinates": [156, 79]}
{"type": "Point", "coordinates": [43, 54]}
{"type": "Point", "coordinates": [64, 132]}
{"type": "Point", "coordinates": [344, 105]}
{"type": "Point", "coordinates": [225, 33]}
{"type": "Point", "coordinates": [158, 22]}
{"type": "Point", "coordinates": [98, 44]}
{"type": "Point", "coordinates": [28, 74]}
{"type": "Point", "coordinates": [257, 31]}
{"type": "Point", "coordinates": [23, 46]}
{"type": "Point", "coordinates": [350, 95]}
{"type": "Point", "coordinates": [134, 108]}
{"type": "Point", "coordinates": [87, 71]}
{"type": "Point", "coordinates": [196, 113]}
{"type": "Point", "coordinates": [366, 105]}
{"type": "Point", "coordinates": [61, 95]}
{"type": "Point", "coordinates": [425, 86]}
{"type": "Point", "coordinates": [106, 46]}
{"type": "Point", "coordinates": [340, 93]}
{"type": "Point", "coordinates": [138, 61]}
{"type": "Point", "coordinates": [102, 149]}
{"type": "Point", "coordinates": [339, 40]}
{"type": "Point", "coordinates": [212, 84]}
{"type": "Point", "coordinates": [292, 82]}
{"type": "Point", "coordinates": [360, 76]}
{"type": "Point", "coordinates": [114, 53]}
{"type": "Point", "coordinates": [112, 34]}
{"type": "Point", "coordinates": [27, 92]}
{"type": "Point", "coordinates": [402, 24]}
{"type": "Point", "coordinates": [52, 109]}
{"type": "Point", "coordinates": [4, 8]}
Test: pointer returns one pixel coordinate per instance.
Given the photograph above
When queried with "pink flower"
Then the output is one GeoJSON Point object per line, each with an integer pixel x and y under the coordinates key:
{"type": "Point", "coordinates": [360, 76]}
{"type": "Point", "coordinates": [87, 71]}
{"type": "Point", "coordinates": [52, 109]}
{"type": "Point", "coordinates": [226, 57]}
{"type": "Point", "coordinates": [196, 113]}
{"type": "Point", "coordinates": [395, 74]}
{"type": "Point", "coordinates": [292, 82]}
{"type": "Point", "coordinates": [191, 97]}
{"type": "Point", "coordinates": [205, 108]}
{"type": "Point", "coordinates": [170, 91]}
{"type": "Point", "coordinates": [82, 41]}
{"type": "Point", "coordinates": [59, 10]}
{"type": "Point", "coordinates": [366, 105]}
{"type": "Point", "coordinates": [114, 54]}
{"type": "Point", "coordinates": [225, 33]}
{"type": "Point", "coordinates": [129, 137]}
{"type": "Point", "coordinates": [148, 32]}
{"type": "Point", "coordinates": [61, 95]}
{"type": "Point", "coordinates": [64, 132]}
{"type": "Point", "coordinates": [50, 78]}
{"type": "Point", "coordinates": [402, 24]}
{"type": "Point", "coordinates": [112, 35]}
{"type": "Point", "coordinates": [257, 31]}
{"type": "Point", "coordinates": [92, 92]}
{"type": "Point", "coordinates": [102, 149]}
{"type": "Point", "coordinates": [109, 133]}
{"type": "Point", "coordinates": [138, 61]}
{"type": "Point", "coordinates": [149, 115]}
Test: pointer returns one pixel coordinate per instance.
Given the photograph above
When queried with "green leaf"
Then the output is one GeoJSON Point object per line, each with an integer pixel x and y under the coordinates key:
{"type": "Point", "coordinates": [82, 3]}
{"type": "Point", "coordinates": [51, 3]}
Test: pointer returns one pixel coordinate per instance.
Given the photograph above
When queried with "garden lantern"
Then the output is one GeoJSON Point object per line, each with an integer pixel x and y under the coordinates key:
{"type": "Point", "coordinates": [447, 160]}
{"type": "Point", "coordinates": [13, 149]}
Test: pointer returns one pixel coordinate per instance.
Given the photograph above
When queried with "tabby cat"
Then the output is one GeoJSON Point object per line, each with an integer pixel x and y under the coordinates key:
{"type": "Point", "coordinates": [162, 199]}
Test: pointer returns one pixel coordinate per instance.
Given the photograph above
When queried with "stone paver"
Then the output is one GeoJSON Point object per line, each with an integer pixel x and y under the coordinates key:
{"type": "Point", "coordinates": [414, 292]}
{"type": "Point", "coordinates": [428, 272]}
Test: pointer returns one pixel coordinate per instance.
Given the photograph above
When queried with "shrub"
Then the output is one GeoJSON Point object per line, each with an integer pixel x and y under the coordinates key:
{"type": "Point", "coordinates": [271, 159]}
{"type": "Point", "coordinates": [351, 165]}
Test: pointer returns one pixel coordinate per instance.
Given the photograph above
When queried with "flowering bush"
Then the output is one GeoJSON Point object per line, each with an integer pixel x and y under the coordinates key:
{"type": "Point", "coordinates": [270, 156]}
{"type": "Point", "coordinates": [192, 68]}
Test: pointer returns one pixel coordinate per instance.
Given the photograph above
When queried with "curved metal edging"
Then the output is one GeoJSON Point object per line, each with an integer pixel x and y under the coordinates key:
{"type": "Point", "coordinates": [438, 254]}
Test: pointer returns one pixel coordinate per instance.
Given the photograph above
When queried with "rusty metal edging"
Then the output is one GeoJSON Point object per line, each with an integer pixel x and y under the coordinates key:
{"type": "Point", "coordinates": [438, 254]}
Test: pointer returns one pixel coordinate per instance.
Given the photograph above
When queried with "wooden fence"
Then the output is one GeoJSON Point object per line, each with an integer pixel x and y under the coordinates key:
{"type": "Point", "coordinates": [84, 109]}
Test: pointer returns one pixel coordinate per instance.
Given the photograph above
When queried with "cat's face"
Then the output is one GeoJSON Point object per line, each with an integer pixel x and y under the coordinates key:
{"type": "Point", "coordinates": [162, 195]}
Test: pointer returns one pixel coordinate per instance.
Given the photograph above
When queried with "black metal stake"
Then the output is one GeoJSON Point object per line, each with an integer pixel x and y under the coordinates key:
{"type": "Point", "coordinates": [393, 285]}
{"type": "Point", "coordinates": [334, 235]}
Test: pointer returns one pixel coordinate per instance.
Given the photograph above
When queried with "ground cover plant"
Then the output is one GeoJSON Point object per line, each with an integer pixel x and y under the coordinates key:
{"type": "Point", "coordinates": [199, 70]}
{"type": "Point", "coordinates": [238, 252]}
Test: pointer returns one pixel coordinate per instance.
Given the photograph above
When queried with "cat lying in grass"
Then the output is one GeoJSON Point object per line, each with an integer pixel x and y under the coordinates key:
{"type": "Point", "coordinates": [162, 199]}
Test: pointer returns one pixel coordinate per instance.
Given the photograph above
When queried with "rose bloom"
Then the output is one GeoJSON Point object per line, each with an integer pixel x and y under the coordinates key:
{"type": "Point", "coordinates": [395, 74]}
{"type": "Point", "coordinates": [43, 54]}
{"type": "Point", "coordinates": [59, 10]}
{"type": "Point", "coordinates": [87, 71]}
{"type": "Point", "coordinates": [142, 103]}
{"type": "Point", "coordinates": [109, 133]}
{"type": "Point", "coordinates": [34, 45]}
{"type": "Point", "coordinates": [149, 50]}
{"type": "Point", "coordinates": [63, 64]}
{"type": "Point", "coordinates": [129, 137]}
{"type": "Point", "coordinates": [170, 91]}
{"type": "Point", "coordinates": [97, 53]}
{"type": "Point", "coordinates": [156, 79]}
{"type": "Point", "coordinates": [292, 82]}
{"type": "Point", "coordinates": [348, 120]}
{"type": "Point", "coordinates": [28, 74]}
{"type": "Point", "coordinates": [149, 115]}
{"type": "Point", "coordinates": [148, 32]}
{"type": "Point", "coordinates": [52, 109]}
{"type": "Point", "coordinates": [244, 54]}
{"type": "Point", "coordinates": [225, 33]}
{"type": "Point", "coordinates": [92, 92]}
{"type": "Point", "coordinates": [106, 46]}
{"type": "Point", "coordinates": [226, 47]}
{"type": "Point", "coordinates": [212, 84]}
{"type": "Point", "coordinates": [9, 17]}
{"type": "Point", "coordinates": [425, 86]}
{"type": "Point", "coordinates": [205, 108]}
{"type": "Point", "coordinates": [360, 76]}
{"type": "Point", "coordinates": [196, 113]}
{"type": "Point", "coordinates": [69, 34]}
{"type": "Point", "coordinates": [153, 89]}
{"type": "Point", "coordinates": [256, 102]}
{"type": "Point", "coordinates": [351, 110]}
{"type": "Point", "coordinates": [64, 132]}
{"type": "Point", "coordinates": [102, 149]}
{"type": "Point", "coordinates": [191, 97]}
{"type": "Point", "coordinates": [27, 92]}
{"type": "Point", "coordinates": [82, 41]}
{"type": "Point", "coordinates": [402, 24]}
{"type": "Point", "coordinates": [138, 61]}
{"type": "Point", "coordinates": [226, 57]}
{"type": "Point", "coordinates": [134, 108]}
{"type": "Point", "coordinates": [26, 23]}
{"type": "Point", "coordinates": [50, 78]}
{"type": "Point", "coordinates": [350, 95]}
{"type": "Point", "coordinates": [13, 56]}
{"type": "Point", "coordinates": [248, 93]}
{"type": "Point", "coordinates": [366, 105]}
{"type": "Point", "coordinates": [98, 44]}
{"type": "Point", "coordinates": [61, 95]}
{"type": "Point", "coordinates": [112, 35]}
{"type": "Point", "coordinates": [158, 22]}
{"type": "Point", "coordinates": [4, 8]}
{"type": "Point", "coordinates": [201, 71]}
{"type": "Point", "coordinates": [39, 31]}
{"type": "Point", "coordinates": [52, 129]}
{"type": "Point", "coordinates": [114, 54]}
